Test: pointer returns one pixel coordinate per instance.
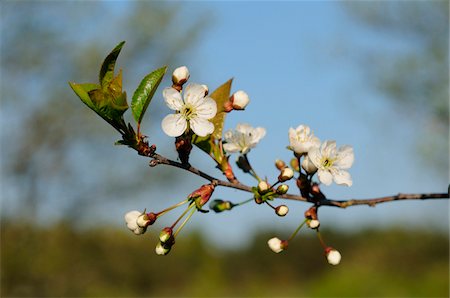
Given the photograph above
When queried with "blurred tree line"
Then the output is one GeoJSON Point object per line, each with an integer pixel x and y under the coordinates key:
{"type": "Point", "coordinates": [60, 261]}
{"type": "Point", "coordinates": [415, 79]}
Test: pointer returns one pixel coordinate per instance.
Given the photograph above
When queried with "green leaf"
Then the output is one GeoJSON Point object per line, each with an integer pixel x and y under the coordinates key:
{"type": "Point", "coordinates": [144, 93]}
{"type": "Point", "coordinates": [107, 69]}
{"type": "Point", "coordinates": [204, 143]}
{"type": "Point", "coordinates": [221, 95]}
{"type": "Point", "coordinates": [82, 90]}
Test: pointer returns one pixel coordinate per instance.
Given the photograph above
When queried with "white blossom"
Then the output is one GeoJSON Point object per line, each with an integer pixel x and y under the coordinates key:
{"type": "Point", "coordinates": [193, 110]}
{"type": "Point", "coordinates": [282, 210]}
{"type": "Point", "coordinates": [313, 223]}
{"type": "Point", "coordinates": [332, 163]}
{"type": "Point", "coordinates": [286, 174]}
{"type": "Point", "coordinates": [132, 224]}
{"type": "Point", "coordinates": [302, 139]}
{"type": "Point", "coordinates": [333, 257]}
{"type": "Point", "coordinates": [161, 249]}
{"type": "Point", "coordinates": [243, 138]}
{"type": "Point", "coordinates": [276, 245]}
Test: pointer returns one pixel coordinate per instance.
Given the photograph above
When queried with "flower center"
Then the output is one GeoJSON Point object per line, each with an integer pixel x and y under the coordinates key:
{"type": "Point", "coordinates": [188, 112]}
{"type": "Point", "coordinates": [327, 162]}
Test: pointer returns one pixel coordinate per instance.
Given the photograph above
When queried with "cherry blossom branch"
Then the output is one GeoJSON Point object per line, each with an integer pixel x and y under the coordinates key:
{"type": "Point", "coordinates": [159, 159]}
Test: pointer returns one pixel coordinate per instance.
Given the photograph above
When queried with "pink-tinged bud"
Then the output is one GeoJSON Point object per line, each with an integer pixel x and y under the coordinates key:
{"type": "Point", "coordinates": [313, 223]}
{"type": "Point", "coordinates": [239, 100]}
{"type": "Point", "coordinates": [146, 219]}
{"type": "Point", "coordinates": [180, 75]}
{"type": "Point", "coordinates": [166, 235]}
{"type": "Point", "coordinates": [311, 213]}
{"type": "Point", "coordinates": [282, 189]}
{"type": "Point", "coordinates": [286, 174]}
{"type": "Point", "coordinates": [263, 187]}
{"type": "Point", "coordinates": [277, 245]}
{"type": "Point", "coordinates": [282, 210]}
{"type": "Point", "coordinates": [202, 195]}
{"type": "Point", "coordinates": [279, 164]}
{"type": "Point", "coordinates": [333, 256]}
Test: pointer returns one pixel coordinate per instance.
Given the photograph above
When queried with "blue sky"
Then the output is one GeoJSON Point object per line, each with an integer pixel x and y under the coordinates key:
{"type": "Point", "coordinates": [297, 61]}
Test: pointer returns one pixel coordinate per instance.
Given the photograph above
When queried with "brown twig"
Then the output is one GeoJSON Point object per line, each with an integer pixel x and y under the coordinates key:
{"type": "Point", "coordinates": [158, 159]}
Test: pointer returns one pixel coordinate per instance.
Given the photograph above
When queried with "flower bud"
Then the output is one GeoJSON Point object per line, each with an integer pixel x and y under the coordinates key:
{"type": "Point", "coordinates": [131, 221]}
{"type": "Point", "coordinates": [263, 187]}
{"type": "Point", "coordinates": [282, 210]}
{"type": "Point", "coordinates": [206, 89]}
{"type": "Point", "coordinates": [146, 219]}
{"type": "Point", "coordinates": [220, 205]}
{"type": "Point", "coordinates": [162, 249]}
{"type": "Point", "coordinates": [277, 245]}
{"type": "Point", "coordinates": [279, 164]}
{"type": "Point", "coordinates": [308, 166]}
{"type": "Point", "coordinates": [313, 223]}
{"type": "Point", "coordinates": [333, 256]}
{"type": "Point", "coordinates": [202, 195]}
{"type": "Point", "coordinates": [240, 100]}
{"type": "Point", "coordinates": [286, 174]}
{"type": "Point", "coordinates": [282, 189]}
{"type": "Point", "coordinates": [180, 75]}
{"type": "Point", "coordinates": [166, 235]}
{"type": "Point", "coordinates": [294, 164]}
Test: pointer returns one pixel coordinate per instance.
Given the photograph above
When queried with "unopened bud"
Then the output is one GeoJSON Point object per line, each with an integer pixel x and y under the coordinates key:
{"type": "Point", "coordinates": [282, 210]}
{"type": "Point", "coordinates": [206, 89]}
{"type": "Point", "coordinates": [180, 75]}
{"type": "Point", "coordinates": [282, 189]}
{"type": "Point", "coordinates": [333, 256]}
{"type": "Point", "coordinates": [294, 164]}
{"type": "Point", "coordinates": [146, 219]}
{"type": "Point", "coordinates": [263, 187]}
{"type": "Point", "coordinates": [239, 100]}
{"type": "Point", "coordinates": [279, 164]}
{"type": "Point", "coordinates": [313, 223]}
{"type": "Point", "coordinates": [308, 166]}
{"type": "Point", "coordinates": [277, 245]}
{"type": "Point", "coordinates": [286, 174]}
{"type": "Point", "coordinates": [166, 235]}
{"type": "Point", "coordinates": [220, 205]}
{"type": "Point", "coordinates": [162, 249]}
{"type": "Point", "coordinates": [202, 195]}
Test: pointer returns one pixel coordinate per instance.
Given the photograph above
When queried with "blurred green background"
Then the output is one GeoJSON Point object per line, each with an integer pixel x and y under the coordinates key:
{"type": "Point", "coordinates": [379, 68]}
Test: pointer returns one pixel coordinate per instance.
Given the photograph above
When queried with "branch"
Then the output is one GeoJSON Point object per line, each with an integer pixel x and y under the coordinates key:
{"type": "Point", "coordinates": [159, 159]}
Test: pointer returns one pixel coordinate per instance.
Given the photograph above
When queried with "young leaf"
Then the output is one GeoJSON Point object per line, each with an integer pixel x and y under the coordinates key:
{"type": "Point", "coordinates": [82, 90]}
{"type": "Point", "coordinates": [144, 93]}
{"type": "Point", "coordinates": [221, 95]}
{"type": "Point", "coordinates": [107, 69]}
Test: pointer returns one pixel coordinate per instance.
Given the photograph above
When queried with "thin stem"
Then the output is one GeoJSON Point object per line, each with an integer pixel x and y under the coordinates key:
{"type": "Point", "coordinates": [321, 239]}
{"type": "Point", "coordinates": [161, 213]}
{"type": "Point", "coordinates": [296, 230]}
{"type": "Point", "coordinates": [183, 214]}
{"type": "Point", "coordinates": [184, 222]}
{"type": "Point", "coordinates": [252, 171]}
{"type": "Point", "coordinates": [244, 202]}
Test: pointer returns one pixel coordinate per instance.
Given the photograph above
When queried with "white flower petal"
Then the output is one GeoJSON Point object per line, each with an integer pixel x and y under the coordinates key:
{"type": "Point", "coordinates": [207, 109]}
{"type": "Point", "coordinates": [194, 94]}
{"type": "Point", "coordinates": [231, 147]}
{"type": "Point", "coordinates": [244, 128]}
{"type": "Point", "coordinates": [275, 245]}
{"type": "Point", "coordinates": [325, 177]}
{"type": "Point", "coordinates": [173, 99]}
{"type": "Point", "coordinates": [343, 177]}
{"type": "Point", "coordinates": [258, 134]}
{"type": "Point", "coordinates": [345, 157]}
{"type": "Point", "coordinates": [201, 127]}
{"type": "Point", "coordinates": [174, 125]}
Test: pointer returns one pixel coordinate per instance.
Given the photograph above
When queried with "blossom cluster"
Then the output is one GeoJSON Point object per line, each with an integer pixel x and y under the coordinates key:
{"type": "Point", "coordinates": [194, 114]}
